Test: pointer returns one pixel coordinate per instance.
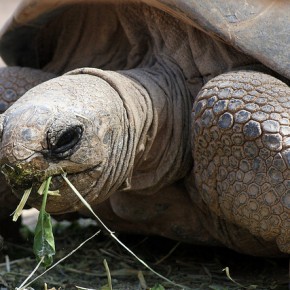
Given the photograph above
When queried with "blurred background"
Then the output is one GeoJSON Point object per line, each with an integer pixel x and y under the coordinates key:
{"type": "Point", "coordinates": [6, 10]}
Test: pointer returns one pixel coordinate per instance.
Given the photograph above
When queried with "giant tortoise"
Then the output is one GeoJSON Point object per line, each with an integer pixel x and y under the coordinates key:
{"type": "Point", "coordinates": [170, 117]}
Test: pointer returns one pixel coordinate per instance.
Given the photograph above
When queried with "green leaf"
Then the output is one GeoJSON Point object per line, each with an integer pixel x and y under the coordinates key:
{"type": "Point", "coordinates": [43, 239]}
{"type": "Point", "coordinates": [44, 247]}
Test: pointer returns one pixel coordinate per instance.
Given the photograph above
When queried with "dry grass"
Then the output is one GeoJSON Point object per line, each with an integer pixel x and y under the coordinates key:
{"type": "Point", "coordinates": [195, 267]}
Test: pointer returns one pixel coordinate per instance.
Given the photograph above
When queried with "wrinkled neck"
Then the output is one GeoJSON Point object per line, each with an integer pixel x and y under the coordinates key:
{"type": "Point", "coordinates": [155, 150]}
{"type": "Point", "coordinates": [135, 118]}
{"type": "Point", "coordinates": [163, 153]}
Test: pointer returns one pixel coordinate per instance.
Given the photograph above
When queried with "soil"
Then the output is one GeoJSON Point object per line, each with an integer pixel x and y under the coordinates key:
{"type": "Point", "coordinates": [195, 267]}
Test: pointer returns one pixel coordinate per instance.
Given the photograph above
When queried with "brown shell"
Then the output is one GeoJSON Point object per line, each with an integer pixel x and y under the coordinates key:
{"type": "Point", "coordinates": [259, 28]}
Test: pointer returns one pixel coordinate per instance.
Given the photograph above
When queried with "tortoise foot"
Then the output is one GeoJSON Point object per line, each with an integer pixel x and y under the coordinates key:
{"type": "Point", "coordinates": [242, 153]}
{"type": "Point", "coordinates": [168, 213]}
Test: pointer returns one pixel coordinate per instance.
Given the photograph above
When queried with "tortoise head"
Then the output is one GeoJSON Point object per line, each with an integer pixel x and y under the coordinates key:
{"type": "Point", "coordinates": [72, 124]}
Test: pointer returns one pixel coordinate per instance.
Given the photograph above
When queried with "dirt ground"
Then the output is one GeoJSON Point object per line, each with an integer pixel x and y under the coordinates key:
{"type": "Point", "coordinates": [192, 266]}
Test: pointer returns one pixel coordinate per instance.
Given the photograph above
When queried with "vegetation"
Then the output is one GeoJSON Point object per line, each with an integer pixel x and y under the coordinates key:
{"type": "Point", "coordinates": [103, 262]}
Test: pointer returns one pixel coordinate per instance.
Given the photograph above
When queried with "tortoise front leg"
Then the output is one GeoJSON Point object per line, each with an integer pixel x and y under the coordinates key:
{"type": "Point", "coordinates": [16, 81]}
{"type": "Point", "coordinates": [167, 212]}
{"type": "Point", "coordinates": [241, 148]}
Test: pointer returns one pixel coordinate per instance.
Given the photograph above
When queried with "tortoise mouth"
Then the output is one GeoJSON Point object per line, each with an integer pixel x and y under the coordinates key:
{"type": "Point", "coordinates": [66, 201]}
{"type": "Point", "coordinates": [57, 204]}
{"type": "Point", "coordinates": [20, 178]}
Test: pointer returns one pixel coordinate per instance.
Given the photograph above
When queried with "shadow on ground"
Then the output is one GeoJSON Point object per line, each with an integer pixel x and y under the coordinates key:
{"type": "Point", "coordinates": [192, 266]}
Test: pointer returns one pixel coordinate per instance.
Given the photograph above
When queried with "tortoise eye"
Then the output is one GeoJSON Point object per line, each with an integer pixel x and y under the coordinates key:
{"type": "Point", "coordinates": [65, 143]}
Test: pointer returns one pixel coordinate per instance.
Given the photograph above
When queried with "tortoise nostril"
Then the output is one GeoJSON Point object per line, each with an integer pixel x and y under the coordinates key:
{"type": "Point", "coordinates": [64, 142]}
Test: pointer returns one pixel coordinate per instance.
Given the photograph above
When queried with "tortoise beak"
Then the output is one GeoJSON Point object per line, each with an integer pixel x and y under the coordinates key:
{"type": "Point", "coordinates": [23, 175]}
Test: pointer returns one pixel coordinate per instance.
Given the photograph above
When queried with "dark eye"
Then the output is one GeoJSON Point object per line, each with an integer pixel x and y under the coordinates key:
{"type": "Point", "coordinates": [66, 142]}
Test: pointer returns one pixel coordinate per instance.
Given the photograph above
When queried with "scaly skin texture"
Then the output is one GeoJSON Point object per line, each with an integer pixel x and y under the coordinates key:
{"type": "Point", "coordinates": [241, 140]}
{"type": "Point", "coordinates": [144, 112]}
{"type": "Point", "coordinates": [123, 122]}
{"type": "Point", "coordinates": [123, 133]}
{"type": "Point", "coordinates": [14, 82]}
{"type": "Point", "coordinates": [234, 123]}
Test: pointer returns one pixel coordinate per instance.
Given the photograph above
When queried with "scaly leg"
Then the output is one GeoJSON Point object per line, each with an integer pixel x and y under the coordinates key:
{"type": "Point", "coordinates": [241, 150]}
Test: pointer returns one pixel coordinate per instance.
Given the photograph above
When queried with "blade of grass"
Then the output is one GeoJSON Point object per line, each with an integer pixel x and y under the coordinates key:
{"type": "Point", "coordinates": [58, 262]}
{"type": "Point", "coordinates": [108, 274]}
{"type": "Point", "coordinates": [41, 189]}
{"type": "Point", "coordinates": [114, 236]}
{"type": "Point", "coordinates": [21, 204]}
{"type": "Point", "coordinates": [22, 287]}
{"type": "Point", "coordinates": [82, 288]}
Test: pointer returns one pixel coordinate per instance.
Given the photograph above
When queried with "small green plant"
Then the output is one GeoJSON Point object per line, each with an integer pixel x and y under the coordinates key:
{"type": "Point", "coordinates": [44, 246]}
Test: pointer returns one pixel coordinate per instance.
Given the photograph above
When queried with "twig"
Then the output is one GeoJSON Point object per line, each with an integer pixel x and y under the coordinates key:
{"type": "Point", "coordinates": [115, 237]}
{"type": "Point", "coordinates": [112, 255]}
{"type": "Point", "coordinates": [227, 270]}
{"type": "Point", "coordinates": [16, 261]}
{"type": "Point", "coordinates": [82, 288]}
{"type": "Point", "coordinates": [23, 286]}
{"type": "Point", "coordinates": [3, 282]}
{"type": "Point", "coordinates": [54, 265]}
{"type": "Point", "coordinates": [7, 262]}
{"type": "Point", "coordinates": [168, 255]}
{"type": "Point", "coordinates": [142, 280]}
{"type": "Point", "coordinates": [119, 273]}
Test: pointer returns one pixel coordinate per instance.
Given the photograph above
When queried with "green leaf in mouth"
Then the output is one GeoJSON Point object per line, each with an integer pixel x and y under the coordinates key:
{"type": "Point", "coordinates": [44, 246]}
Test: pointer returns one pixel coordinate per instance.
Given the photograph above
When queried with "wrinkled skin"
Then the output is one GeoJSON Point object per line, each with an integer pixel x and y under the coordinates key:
{"type": "Point", "coordinates": [148, 146]}
{"type": "Point", "coordinates": [241, 148]}
{"type": "Point", "coordinates": [61, 131]}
